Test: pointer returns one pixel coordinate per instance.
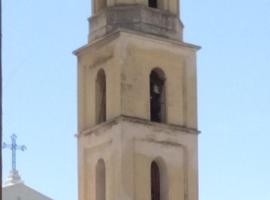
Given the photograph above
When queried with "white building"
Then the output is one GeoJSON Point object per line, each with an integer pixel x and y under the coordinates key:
{"type": "Point", "coordinates": [15, 189]}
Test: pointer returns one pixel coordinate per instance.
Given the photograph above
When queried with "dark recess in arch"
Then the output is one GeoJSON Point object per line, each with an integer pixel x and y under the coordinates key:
{"type": "Point", "coordinates": [153, 3]}
{"type": "Point", "coordinates": [155, 181]}
{"type": "Point", "coordinates": [157, 96]}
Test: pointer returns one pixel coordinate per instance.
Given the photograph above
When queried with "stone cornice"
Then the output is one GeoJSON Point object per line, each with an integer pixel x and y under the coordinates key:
{"type": "Point", "coordinates": [144, 122]}
{"type": "Point", "coordinates": [111, 36]}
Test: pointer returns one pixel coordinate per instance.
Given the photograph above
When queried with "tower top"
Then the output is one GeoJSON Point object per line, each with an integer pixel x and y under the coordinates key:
{"type": "Point", "coordinates": [155, 17]}
{"type": "Point", "coordinates": [171, 6]}
{"type": "Point", "coordinates": [13, 178]}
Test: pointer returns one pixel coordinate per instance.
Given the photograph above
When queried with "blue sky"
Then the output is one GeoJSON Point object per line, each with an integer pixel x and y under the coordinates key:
{"type": "Point", "coordinates": [233, 93]}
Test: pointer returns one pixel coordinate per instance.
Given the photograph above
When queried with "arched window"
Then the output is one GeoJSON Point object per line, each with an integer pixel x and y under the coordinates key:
{"type": "Point", "coordinates": [100, 180]}
{"type": "Point", "coordinates": [155, 181]}
{"type": "Point", "coordinates": [101, 96]}
{"type": "Point", "coordinates": [157, 96]}
{"type": "Point", "coordinates": [159, 180]}
{"type": "Point", "coordinates": [153, 3]}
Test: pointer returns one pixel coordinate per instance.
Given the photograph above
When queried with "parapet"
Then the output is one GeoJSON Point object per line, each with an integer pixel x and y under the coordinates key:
{"type": "Point", "coordinates": [136, 18]}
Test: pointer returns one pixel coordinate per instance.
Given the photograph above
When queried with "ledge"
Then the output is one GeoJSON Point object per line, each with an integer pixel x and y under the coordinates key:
{"type": "Point", "coordinates": [118, 32]}
{"type": "Point", "coordinates": [145, 122]}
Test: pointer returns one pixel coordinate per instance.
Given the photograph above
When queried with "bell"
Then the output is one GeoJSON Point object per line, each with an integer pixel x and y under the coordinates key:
{"type": "Point", "coordinates": [156, 89]}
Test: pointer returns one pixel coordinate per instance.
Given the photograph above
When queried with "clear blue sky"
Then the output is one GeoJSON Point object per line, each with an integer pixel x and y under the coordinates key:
{"type": "Point", "coordinates": [233, 91]}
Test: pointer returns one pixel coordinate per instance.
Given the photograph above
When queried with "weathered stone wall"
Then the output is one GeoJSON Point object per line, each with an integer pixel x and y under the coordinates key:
{"type": "Point", "coordinates": [137, 18]}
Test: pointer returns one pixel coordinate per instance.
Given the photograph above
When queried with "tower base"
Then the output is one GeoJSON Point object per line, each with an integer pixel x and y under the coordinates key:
{"type": "Point", "coordinates": [127, 146]}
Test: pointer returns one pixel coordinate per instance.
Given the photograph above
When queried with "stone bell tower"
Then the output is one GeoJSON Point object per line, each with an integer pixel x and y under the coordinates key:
{"type": "Point", "coordinates": [137, 126]}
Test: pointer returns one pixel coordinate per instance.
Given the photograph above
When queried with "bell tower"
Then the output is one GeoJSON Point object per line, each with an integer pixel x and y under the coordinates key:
{"type": "Point", "coordinates": [137, 104]}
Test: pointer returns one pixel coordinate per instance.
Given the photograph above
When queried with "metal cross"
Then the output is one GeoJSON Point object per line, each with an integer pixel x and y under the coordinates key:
{"type": "Point", "coordinates": [14, 147]}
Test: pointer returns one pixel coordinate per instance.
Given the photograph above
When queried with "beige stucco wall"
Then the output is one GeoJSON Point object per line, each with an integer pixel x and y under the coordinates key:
{"type": "Point", "coordinates": [127, 64]}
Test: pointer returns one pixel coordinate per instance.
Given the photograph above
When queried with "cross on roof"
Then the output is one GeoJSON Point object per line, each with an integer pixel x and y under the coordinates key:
{"type": "Point", "coordinates": [14, 147]}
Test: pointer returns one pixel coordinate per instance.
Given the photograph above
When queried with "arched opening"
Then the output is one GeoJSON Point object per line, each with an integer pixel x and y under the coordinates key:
{"type": "Point", "coordinates": [100, 180]}
{"type": "Point", "coordinates": [155, 181]}
{"type": "Point", "coordinates": [101, 96]}
{"type": "Point", "coordinates": [153, 3]}
{"type": "Point", "coordinates": [157, 96]}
